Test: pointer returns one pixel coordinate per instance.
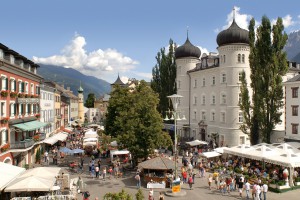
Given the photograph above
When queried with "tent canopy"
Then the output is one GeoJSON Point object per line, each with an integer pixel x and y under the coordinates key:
{"type": "Point", "coordinates": [210, 154]}
{"type": "Point", "coordinates": [159, 163]}
{"type": "Point", "coordinates": [196, 142]}
{"type": "Point", "coordinates": [238, 150]}
{"type": "Point", "coordinates": [260, 153]}
{"type": "Point", "coordinates": [30, 126]}
{"type": "Point", "coordinates": [287, 160]}
{"type": "Point", "coordinates": [90, 134]}
{"type": "Point", "coordinates": [36, 179]}
{"type": "Point", "coordinates": [8, 173]}
{"type": "Point", "coordinates": [55, 138]}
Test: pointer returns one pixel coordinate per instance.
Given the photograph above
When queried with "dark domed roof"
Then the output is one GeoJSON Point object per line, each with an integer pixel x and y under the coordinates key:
{"type": "Point", "coordinates": [187, 50]}
{"type": "Point", "coordinates": [234, 34]}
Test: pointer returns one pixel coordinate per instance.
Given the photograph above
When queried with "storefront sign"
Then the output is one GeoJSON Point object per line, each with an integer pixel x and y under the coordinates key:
{"type": "Point", "coordinates": [176, 186]}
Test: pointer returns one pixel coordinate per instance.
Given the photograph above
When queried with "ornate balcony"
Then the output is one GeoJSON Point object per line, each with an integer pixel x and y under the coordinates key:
{"type": "Point", "coordinates": [27, 100]}
{"type": "Point", "coordinates": [22, 144]}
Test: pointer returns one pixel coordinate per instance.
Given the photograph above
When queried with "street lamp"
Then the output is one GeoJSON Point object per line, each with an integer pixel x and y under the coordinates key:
{"type": "Point", "coordinates": [175, 98]}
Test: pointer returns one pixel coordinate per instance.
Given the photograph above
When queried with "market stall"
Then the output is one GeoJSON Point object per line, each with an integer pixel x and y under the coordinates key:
{"type": "Point", "coordinates": [156, 171]}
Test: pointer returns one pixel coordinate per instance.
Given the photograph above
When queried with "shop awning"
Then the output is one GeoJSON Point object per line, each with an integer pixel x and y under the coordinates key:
{"type": "Point", "coordinates": [30, 126]}
{"type": "Point", "coordinates": [55, 138]}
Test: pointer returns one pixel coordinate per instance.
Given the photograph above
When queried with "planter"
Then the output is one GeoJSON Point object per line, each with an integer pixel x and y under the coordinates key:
{"type": "Point", "coordinates": [283, 187]}
{"type": "Point", "coordinates": [297, 183]}
{"type": "Point", "coordinates": [272, 185]}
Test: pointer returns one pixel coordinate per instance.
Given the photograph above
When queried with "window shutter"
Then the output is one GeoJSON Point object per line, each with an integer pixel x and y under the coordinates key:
{"type": "Point", "coordinates": [15, 109]}
{"type": "Point", "coordinates": [6, 82]}
{"type": "Point", "coordinates": [22, 86]}
{"type": "Point", "coordinates": [15, 85]}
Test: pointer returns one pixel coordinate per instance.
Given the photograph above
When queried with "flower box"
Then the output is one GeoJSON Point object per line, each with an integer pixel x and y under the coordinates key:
{"type": "Point", "coordinates": [21, 95]}
{"type": "Point", "coordinates": [4, 93]}
{"type": "Point", "coordinates": [297, 183]}
{"type": "Point", "coordinates": [280, 187]}
{"type": "Point", "coordinates": [13, 94]}
{"type": "Point", "coordinates": [5, 147]}
{"type": "Point", "coordinates": [38, 115]}
{"type": "Point", "coordinates": [36, 138]}
{"type": "Point", "coordinates": [4, 120]}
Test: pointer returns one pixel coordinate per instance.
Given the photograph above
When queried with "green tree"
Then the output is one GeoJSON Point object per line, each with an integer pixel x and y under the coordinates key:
{"type": "Point", "coordinates": [268, 64]}
{"type": "Point", "coordinates": [164, 75]}
{"type": "Point", "coordinates": [139, 195]}
{"type": "Point", "coordinates": [123, 195]}
{"type": "Point", "coordinates": [133, 118]}
{"type": "Point", "coordinates": [89, 103]}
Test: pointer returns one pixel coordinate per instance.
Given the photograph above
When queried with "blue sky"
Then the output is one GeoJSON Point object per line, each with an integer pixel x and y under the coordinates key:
{"type": "Point", "coordinates": [104, 38]}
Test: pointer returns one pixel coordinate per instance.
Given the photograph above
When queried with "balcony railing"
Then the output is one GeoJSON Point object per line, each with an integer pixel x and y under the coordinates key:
{"type": "Point", "coordinates": [42, 136]}
{"type": "Point", "coordinates": [22, 144]}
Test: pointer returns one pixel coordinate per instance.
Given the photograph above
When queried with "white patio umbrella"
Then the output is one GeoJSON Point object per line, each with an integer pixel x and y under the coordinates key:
{"type": "Point", "coordinates": [196, 142]}
{"type": "Point", "coordinates": [30, 184]}
{"type": "Point", "coordinates": [43, 172]}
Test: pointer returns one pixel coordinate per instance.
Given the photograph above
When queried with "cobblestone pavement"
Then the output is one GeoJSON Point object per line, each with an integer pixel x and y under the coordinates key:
{"type": "Point", "coordinates": [99, 187]}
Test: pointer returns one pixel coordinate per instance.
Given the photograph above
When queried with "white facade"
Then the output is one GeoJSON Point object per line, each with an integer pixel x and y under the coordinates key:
{"type": "Point", "coordinates": [93, 115]}
{"type": "Point", "coordinates": [47, 109]}
{"type": "Point", "coordinates": [210, 90]}
{"type": "Point", "coordinates": [292, 108]}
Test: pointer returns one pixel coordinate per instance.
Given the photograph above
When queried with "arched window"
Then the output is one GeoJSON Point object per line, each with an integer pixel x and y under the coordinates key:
{"type": "Point", "coordinates": [224, 59]}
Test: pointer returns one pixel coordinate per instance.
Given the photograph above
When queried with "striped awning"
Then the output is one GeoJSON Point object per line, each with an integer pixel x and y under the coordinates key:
{"type": "Point", "coordinates": [30, 126]}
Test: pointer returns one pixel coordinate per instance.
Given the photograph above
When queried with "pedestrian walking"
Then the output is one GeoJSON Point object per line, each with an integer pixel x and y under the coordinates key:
{"type": "Point", "coordinates": [190, 181]}
{"type": "Point", "coordinates": [161, 196]}
{"type": "Point", "coordinates": [104, 173]}
{"type": "Point", "coordinates": [90, 166]}
{"type": "Point", "coordinates": [265, 190]}
{"type": "Point", "coordinates": [97, 171]}
{"type": "Point", "coordinates": [210, 179]}
{"type": "Point", "coordinates": [46, 157]}
{"type": "Point", "coordinates": [151, 194]}
{"type": "Point", "coordinates": [138, 180]}
{"type": "Point", "coordinates": [247, 189]}
{"type": "Point", "coordinates": [240, 186]}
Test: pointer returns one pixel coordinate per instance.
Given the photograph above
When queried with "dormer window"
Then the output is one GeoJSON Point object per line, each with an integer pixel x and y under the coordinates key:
{"type": "Point", "coordinates": [12, 59]}
{"type": "Point", "coordinates": [1, 54]}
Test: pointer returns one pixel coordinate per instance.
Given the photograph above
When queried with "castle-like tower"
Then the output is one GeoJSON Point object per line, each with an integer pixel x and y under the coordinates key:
{"type": "Point", "coordinates": [80, 104]}
{"type": "Point", "coordinates": [210, 87]}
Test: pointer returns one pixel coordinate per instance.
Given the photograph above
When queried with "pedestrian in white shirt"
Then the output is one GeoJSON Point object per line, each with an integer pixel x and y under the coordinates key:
{"type": "Point", "coordinates": [265, 190]}
{"type": "Point", "coordinates": [247, 188]}
{"type": "Point", "coordinates": [258, 191]}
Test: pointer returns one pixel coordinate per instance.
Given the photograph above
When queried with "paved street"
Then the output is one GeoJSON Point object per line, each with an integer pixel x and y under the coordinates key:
{"type": "Point", "coordinates": [99, 187]}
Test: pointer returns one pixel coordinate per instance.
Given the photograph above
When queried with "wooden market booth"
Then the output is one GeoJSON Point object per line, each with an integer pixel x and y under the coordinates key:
{"type": "Point", "coordinates": [157, 171]}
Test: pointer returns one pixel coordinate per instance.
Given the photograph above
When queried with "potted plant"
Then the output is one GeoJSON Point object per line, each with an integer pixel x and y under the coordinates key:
{"type": "Point", "coordinates": [4, 120]}
{"type": "Point", "coordinates": [13, 94]}
{"type": "Point", "coordinates": [38, 156]}
{"type": "Point", "coordinates": [5, 147]}
{"type": "Point", "coordinates": [297, 181]}
{"type": "Point", "coordinates": [281, 185]}
{"type": "Point", "coordinates": [36, 138]}
{"type": "Point", "coordinates": [21, 95]}
{"type": "Point", "coordinates": [37, 115]}
{"type": "Point", "coordinates": [4, 93]}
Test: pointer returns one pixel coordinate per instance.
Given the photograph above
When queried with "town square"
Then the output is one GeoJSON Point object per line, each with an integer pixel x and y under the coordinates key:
{"type": "Point", "coordinates": [152, 100]}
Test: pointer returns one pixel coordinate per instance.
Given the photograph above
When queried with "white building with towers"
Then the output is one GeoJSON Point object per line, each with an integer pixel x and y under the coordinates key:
{"type": "Point", "coordinates": [210, 87]}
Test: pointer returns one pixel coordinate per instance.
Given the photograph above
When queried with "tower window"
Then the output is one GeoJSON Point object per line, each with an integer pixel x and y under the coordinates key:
{"type": "Point", "coordinates": [239, 58]}
{"type": "Point", "coordinates": [243, 58]}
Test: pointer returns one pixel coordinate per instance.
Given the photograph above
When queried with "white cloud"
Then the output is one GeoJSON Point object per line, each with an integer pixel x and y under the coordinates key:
{"type": "Point", "coordinates": [287, 21]}
{"type": "Point", "coordinates": [203, 50]}
{"type": "Point", "coordinates": [124, 79]}
{"type": "Point", "coordinates": [99, 63]}
{"type": "Point", "coordinates": [241, 19]}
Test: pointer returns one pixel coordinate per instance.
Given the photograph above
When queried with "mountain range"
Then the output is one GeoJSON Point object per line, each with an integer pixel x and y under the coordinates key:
{"type": "Point", "coordinates": [292, 46]}
{"type": "Point", "coordinates": [72, 78]}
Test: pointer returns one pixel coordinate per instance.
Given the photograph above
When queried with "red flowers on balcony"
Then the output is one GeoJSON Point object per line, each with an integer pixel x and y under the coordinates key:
{"type": "Point", "coordinates": [4, 120]}
{"type": "Point", "coordinates": [5, 147]}
{"type": "Point", "coordinates": [37, 115]}
{"type": "Point", "coordinates": [13, 94]}
{"type": "Point", "coordinates": [36, 138]}
{"type": "Point", "coordinates": [4, 93]}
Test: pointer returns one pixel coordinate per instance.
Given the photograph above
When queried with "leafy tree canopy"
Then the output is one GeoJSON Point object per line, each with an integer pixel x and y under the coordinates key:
{"type": "Point", "coordinates": [89, 103]}
{"type": "Point", "coordinates": [132, 118]}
